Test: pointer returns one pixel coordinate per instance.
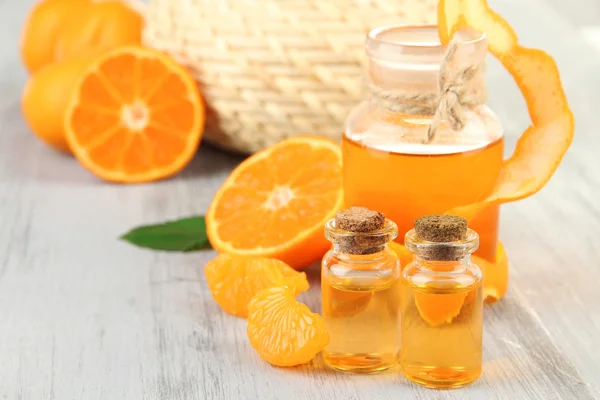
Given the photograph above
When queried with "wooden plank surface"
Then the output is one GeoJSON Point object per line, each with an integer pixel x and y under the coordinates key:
{"type": "Point", "coordinates": [85, 316]}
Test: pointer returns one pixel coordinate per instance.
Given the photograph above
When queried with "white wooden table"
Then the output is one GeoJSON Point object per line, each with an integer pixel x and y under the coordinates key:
{"type": "Point", "coordinates": [86, 316]}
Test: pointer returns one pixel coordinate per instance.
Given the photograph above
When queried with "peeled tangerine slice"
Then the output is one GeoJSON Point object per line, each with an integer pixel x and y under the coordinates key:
{"type": "Point", "coordinates": [233, 280]}
{"type": "Point", "coordinates": [283, 331]}
{"type": "Point", "coordinates": [542, 146]}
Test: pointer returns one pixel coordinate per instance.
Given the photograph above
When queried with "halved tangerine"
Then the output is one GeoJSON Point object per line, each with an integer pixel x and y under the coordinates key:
{"type": "Point", "coordinates": [283, 331]}
{"type": "Point", "coordinates": [276, 202]}
{"type": "Point", "coordinates": [135, 116]}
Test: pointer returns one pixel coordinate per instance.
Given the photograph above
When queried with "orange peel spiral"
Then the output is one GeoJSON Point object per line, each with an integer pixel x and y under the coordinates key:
{"type": "Point", "coordinates": [543, 144]}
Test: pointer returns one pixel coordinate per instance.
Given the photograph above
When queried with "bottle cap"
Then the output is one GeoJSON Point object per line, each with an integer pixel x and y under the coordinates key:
{"type": "Point", "coordinates": [441, 228]}
{"type": "Point", "coordinates": [359, 231]}
{"type": "Point", "coordinates": [441, 238]}
{"type": "Point", "coordinates": [359, 219]}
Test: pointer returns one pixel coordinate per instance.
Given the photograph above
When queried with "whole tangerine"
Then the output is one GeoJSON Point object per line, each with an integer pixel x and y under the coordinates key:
{"type": "Point", "coordinates": [43, 26]}
{"type": "Point", "coordinates": [45, 98]}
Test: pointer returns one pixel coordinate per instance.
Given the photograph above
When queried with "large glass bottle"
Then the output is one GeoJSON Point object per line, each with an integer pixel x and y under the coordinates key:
{"type": "Point", "coordinates": [387, 167]}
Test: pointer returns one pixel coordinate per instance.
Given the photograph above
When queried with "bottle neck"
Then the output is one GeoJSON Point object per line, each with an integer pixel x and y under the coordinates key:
{"type": "Point", "coordinates": [442, 254]}
{"type": "Point", "coordinates": [404, 66]}
{"type": "Point", "coordinates": [368, 254]}
{"type": "Point", "coordinates": [443, 266]}
{"type": "Point", "coordinates": [360, 245]}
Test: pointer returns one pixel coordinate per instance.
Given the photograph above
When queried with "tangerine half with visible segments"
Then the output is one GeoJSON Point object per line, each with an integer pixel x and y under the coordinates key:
{"type": "Point", "coordinates": [135, 116]}
{"type": "Point", "coordinates": [276, 202]}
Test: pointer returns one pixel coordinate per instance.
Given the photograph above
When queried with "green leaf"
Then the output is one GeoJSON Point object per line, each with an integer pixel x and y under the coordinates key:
{"type": "Point", "coordinates": [186, 234]}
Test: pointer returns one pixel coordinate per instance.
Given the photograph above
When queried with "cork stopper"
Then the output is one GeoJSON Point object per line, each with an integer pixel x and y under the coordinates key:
{"type": "Point", "coordinates": [365, 231]}
{"type": "Point", "coordinates": [445, 230]}
{"type": "Point", "coordinates": [359, 219]}
{"type": "Point", "coordinates": [441, 228]}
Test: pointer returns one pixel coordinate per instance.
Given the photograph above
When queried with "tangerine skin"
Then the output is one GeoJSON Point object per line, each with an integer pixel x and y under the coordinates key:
{"type": "Point", "coordinates": [46, 96]}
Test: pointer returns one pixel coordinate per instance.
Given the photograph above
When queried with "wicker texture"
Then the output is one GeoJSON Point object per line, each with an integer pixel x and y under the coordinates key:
{"type": "Point", "coordinates": [271, 69]}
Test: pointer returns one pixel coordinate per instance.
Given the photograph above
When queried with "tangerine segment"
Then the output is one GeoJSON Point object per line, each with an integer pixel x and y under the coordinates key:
{"type": "Point", "coordinates": [119, 131]}
{"type": "Point", "coordinates": [293, 278]}
{"type": "Point", "coordinates": [95, 123]}
{"type": "Point", "coordinates": [438, 309]}
{"type": "Point", "coordinates": [234, 280]}
{"type": "Point", "coordinates": [542, 146]}
{"type": "Point", "coordinates": [495, 275]}
{"type": "Point", "coordinates": [275, 203]}
{"type": "Point", "coordinates": [283, 331]}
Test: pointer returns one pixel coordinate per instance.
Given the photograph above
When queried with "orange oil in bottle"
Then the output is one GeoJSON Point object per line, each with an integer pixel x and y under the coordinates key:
{"type": "Point", "coordinates": [407, 180]}
{"type": "Point", "coordinates": [363, 321]}
{"type": "Point", "coordinates": [441, 334]}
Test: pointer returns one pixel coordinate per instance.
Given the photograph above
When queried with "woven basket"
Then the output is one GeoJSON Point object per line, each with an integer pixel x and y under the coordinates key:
{"type": "Point", "coordinates": [271, 69]}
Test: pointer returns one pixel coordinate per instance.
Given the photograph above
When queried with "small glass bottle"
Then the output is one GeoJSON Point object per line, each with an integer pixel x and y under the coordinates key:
{"type": "Point", "coordinates": [387, 162]}
{"type": "Point", "coordinates": [442, 304]}
{"type": "Point", "coordinates": [361, 292]}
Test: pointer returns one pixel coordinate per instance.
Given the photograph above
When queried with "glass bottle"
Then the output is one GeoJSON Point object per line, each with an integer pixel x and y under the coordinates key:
{"type": "Point", "coordinates": [361, 299]}
{"type": "Point", "coordinates": [442, 312]}
{"type": "Point", "coordinates": [387, 167]}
